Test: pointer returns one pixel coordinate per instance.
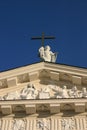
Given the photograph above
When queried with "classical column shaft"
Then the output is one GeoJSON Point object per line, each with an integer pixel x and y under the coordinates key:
{"type": "Point", "coordinates": [27, 124]}
{"type": "Point", "coordinates": [81, 123]}
{"type": "Point", "coordinates": [31, 124]}
{"type": "Point", "coordinates": [55, 124]}
{"type": "Point", "coordinates": [6, 124]}
{"type": "Point", "coordinates": [3, 124]}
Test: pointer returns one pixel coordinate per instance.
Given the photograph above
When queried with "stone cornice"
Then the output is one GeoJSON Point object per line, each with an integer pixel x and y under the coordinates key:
{"type": "Point", "coordinates": [44, 65]}
{"type": "Point", "coordinates": [53, 105]}
{"type": "Point", "coordinates": [35, 71]}
{"type": "Point", "coordinates": [42, 101]}
{"type": "Point", "coordinates": [66, 69]}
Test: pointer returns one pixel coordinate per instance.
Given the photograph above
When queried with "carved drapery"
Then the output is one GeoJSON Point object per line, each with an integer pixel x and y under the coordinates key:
{"type": "Point", "coordinates": [18, 124]}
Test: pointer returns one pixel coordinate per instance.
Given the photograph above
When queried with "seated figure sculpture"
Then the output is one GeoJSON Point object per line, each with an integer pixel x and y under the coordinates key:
{"type": "Point", "coordinates": [44, 93]}
{"type": "Point", "coordinates": [73, 93]}
{"type": "Point", "coordinates": [62, 92]}
{"type": "Point", "coordinates": [29, 92]}
{"type": "Point", "coordinates": [83, 93]}
{"type": "Point", "coordinates": [47, 55]}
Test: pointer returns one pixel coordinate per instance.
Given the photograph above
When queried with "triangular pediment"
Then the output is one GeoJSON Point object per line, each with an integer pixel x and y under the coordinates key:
{"type": "Point", "coordinates": [42, 74]}
{"type": "Point", "coordinates": [55, 84]}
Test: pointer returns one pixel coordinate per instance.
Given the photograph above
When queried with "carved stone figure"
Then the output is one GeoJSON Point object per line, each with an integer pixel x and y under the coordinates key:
{"type": "Point", "coordinates": [46, 54]}
{"type": "Point", "coordinates": [44, 93]}
{"type": "Point", "coordinates": [12, 96]}
{"type": "Point", "coordinates": [41, 52]}
{"type": "Point", "coordinates": [73, 93]}
{"type": "Point", "coordinates": [84, 93]}
{"type": "Point", "coordinates": [68, 124]}
{"type": "Point", "coordinates": [18, 125]}
{"type": "Point", "coordinates": [43, 124]}
{"type": "Point", "coordinates": [64, 93]}
{"type": "Point", "coordinates": [29, 92]}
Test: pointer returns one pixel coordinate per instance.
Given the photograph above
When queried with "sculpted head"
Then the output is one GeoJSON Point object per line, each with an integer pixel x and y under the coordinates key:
{"type": "Point", "coordinates": [47, 48]}
{"type": "Point", "coordinates": [64, 87]}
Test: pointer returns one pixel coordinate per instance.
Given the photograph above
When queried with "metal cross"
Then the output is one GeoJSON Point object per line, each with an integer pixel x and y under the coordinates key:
{"type": "Point", "coordinates": [42, 38]}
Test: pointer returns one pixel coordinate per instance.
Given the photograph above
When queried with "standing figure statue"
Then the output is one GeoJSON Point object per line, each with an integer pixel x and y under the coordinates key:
{"type": "Point", "coordinates": [64, 93]}
{"type": "Point", "coordinates": [47, 55]}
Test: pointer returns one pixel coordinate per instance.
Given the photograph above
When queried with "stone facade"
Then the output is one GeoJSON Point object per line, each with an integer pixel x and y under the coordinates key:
{"type": "Point", "coordinates": [43, 96]}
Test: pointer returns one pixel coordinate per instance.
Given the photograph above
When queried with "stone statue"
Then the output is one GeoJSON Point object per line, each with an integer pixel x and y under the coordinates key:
{"type": "Point", "coordinates": [29, 92]}
{"type": "Point", "coordinates": [41, 52]}
{"type": "Point", "coordinates": [73, 93]}
{"type": "Point", "coordinates": [47, 55]}
{"type": "Point", "coordinates": [84, 93]}
{"type": "Point", "coordinates": [64, 93]}
{"type": "Point", "coordinates": [18, 125]}
{"type": "Point", "coordinates": [12, 96]}
{"type": "Point", "coordinates": [44, 93]}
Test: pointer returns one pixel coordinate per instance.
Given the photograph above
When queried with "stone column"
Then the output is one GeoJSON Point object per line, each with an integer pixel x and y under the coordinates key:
{"type": "Point", "coordinates": [27, 124]}
{"type": "Point", "coordinates": [59, 124]}
{"type": "Point", "coordinates": [9, 124]}
{"type": "Point", "coordinates": [3, 124]}
{"type": "Point", "coordinates": [6, 124]}
{"type": "Point", "coordinates": [55, 123]}
{"type": "Point", "coordinates": [81, 123]}
{"type": "Point", "coordinates": [30, 123]}
{"type": "Point", "coordinates": [84, 123]}
{"type": "Point", "coordinates": [52, 124]}
{"type": "Point", "coordinates": [34, 124]}
{"type": "Point", "coordinates": [77, 123]}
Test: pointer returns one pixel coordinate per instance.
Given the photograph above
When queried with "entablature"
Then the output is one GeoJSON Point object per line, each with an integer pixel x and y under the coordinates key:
{"type": "Point", "coordinates": [51, 105]}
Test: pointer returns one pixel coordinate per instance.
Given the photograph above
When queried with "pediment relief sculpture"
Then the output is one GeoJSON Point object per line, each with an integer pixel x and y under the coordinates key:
{"type": "Point", "coordinates": [49, 91]}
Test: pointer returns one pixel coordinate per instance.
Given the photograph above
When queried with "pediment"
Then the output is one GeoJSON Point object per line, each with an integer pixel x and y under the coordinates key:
{"type": "Point", "coordinates": [43, 86]}
{"type": "Point", "coordinates": [42, 74]}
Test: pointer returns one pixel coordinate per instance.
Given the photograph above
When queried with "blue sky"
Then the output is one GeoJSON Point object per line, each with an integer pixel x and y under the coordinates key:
{"type": "Point", "coordinates": [22, 19]}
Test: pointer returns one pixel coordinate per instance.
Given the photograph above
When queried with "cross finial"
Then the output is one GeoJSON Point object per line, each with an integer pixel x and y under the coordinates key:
{"type": "Point", "coordinates": [42, 38]}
